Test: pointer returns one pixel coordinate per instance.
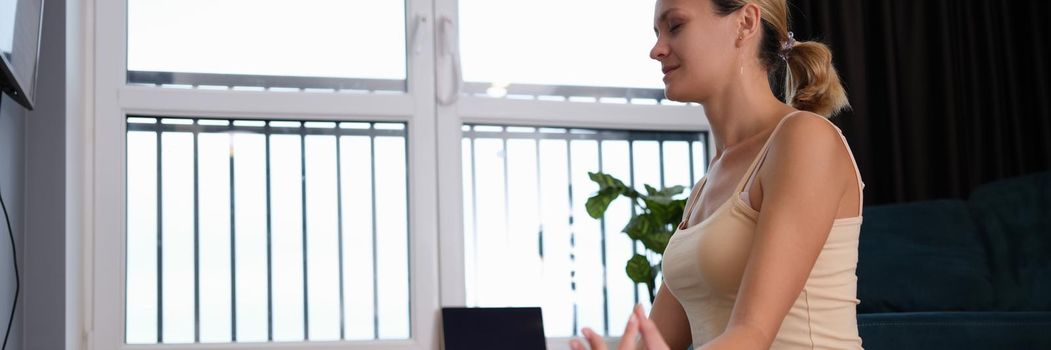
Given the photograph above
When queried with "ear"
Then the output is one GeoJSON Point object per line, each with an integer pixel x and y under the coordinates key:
{"type": "Point", "coordinates": [749, 22]}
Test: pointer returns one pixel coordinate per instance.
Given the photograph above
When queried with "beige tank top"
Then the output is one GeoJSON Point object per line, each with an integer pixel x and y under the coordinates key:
{"type": "Point", "coordinates": [703, 266]}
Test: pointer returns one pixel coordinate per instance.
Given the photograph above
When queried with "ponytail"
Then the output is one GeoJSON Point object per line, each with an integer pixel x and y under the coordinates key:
{"type": "Point", "coordinates": [811, 82]}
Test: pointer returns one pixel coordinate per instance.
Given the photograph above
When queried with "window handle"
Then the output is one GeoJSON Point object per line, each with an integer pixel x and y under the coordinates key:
{"type": "Point", "coordinates": [450, 51]}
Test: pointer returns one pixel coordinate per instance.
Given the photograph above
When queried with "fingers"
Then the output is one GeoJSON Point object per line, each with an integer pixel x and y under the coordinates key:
{"type": "Point", "coordinates": [595, 340]}
{"type": "Point", "coordinates": [651, 336]}
{"type": "Point", "coordinates": [631, 331]}
{"type": "Point", "coordinates": [637, 323]}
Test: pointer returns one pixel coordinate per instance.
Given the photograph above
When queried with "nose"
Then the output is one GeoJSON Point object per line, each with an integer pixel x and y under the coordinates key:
{"type": "Point", "coordinates": [659, 50]}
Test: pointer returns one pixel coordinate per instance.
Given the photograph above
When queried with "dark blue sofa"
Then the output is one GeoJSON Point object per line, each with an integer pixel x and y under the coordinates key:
{"type": "Point", "coordinates": [959, 274]}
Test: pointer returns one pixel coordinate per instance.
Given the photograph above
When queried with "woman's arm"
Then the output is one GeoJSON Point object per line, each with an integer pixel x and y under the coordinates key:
{"type": "Point", "coordinates": [802, 183]}
{"type": "Point", "coordinates": [670, 318]}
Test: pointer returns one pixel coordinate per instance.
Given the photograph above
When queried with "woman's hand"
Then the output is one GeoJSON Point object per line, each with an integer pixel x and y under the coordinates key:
{"type": "Point", "coordinates": [637, 323]}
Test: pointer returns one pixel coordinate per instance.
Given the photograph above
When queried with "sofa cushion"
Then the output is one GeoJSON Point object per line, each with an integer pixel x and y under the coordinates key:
{"type": "Point", "coordinates": [1015, 215]}
{"type": "Point", "coordinates": [922, 256]}
{"type": "Point", "coordinates": [955, 330]}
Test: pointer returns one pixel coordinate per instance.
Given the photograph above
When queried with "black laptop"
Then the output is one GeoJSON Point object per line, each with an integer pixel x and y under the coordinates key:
{"type": "Point", "coordinates": [505, 328]}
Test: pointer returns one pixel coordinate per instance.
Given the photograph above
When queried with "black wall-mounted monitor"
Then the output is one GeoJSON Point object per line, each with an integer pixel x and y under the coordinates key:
{"type": "Point", "coordinates": [20, 23]}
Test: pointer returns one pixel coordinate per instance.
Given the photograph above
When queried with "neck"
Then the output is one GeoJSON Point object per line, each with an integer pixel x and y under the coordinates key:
{"type": "Point", "coordinates": [743, 111]}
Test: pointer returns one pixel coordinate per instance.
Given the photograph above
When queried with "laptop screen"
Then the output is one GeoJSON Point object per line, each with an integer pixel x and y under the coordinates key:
{"type": "Point", "coordinates": [493, 328]}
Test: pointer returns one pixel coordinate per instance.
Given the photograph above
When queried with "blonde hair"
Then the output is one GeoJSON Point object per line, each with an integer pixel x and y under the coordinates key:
{"type": "Point", "coordinates": [810, 80]}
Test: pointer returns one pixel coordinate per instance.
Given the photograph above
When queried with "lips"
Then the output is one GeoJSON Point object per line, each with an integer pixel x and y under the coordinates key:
{"type": "Point", "coordinates": [667, 71]}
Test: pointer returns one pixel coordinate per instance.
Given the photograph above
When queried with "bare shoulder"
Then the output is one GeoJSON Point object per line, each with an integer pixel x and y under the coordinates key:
{"type": "Point", "coordinates": [808, 135]}
{"type": "Point", "coordinates": [808, 148]}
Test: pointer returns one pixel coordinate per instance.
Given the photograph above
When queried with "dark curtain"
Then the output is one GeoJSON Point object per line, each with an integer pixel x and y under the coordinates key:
{"type": "Point", "coordinates": [946, 94]}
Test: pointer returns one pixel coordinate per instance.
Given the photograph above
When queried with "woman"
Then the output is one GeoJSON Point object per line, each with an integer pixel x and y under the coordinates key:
{"type": "Point", "coordinates": [766, 253]}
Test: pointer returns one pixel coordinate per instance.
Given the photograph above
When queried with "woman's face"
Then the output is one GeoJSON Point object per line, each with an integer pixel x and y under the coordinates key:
{"type": "Point", "coordinates": [696, 47]}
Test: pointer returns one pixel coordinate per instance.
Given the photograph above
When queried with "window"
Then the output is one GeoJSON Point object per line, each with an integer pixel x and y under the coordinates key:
{"type": "Point", "coordinates": [502, 44]}
{"type": "Point", "coordinates": [268, 43]}
{"type": "Point", "coordinates": [539, 108]}
{"type": "Point", "coordinates": [506, 55]}
{"type": "Point", "coordinates": [293, 172]}
{"type": "Point", "coordinates": [529, 240]}
{"type": "Point", "coordinates": [254, 231]}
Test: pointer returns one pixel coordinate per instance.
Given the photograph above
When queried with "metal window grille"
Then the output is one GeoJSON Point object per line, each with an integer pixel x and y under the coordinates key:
{"type": "Point", "coordinates": [259, 231]}
{"type": "Point", "coordinates": [528, 238]}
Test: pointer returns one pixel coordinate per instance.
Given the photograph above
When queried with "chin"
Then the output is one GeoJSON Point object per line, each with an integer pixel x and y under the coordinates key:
{"type": "Point", "coordinates": [675, 93]}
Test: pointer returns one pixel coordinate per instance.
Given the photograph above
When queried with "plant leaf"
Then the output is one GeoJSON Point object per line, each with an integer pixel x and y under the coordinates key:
{"type": "Point", "coordinates": [650, 191]}
{"type": "Point", "coordinates": [673, 191]}
{"type": "Point", "coordinates": [597, 204]}
{"type": "Point", "coordinates": [675, 214]}
{"type": "Point", "coordinates": [605, 181]}
{"type": "Point", "coordinates": [657, 241]}
{"type": "Point", "coordinates": [660, 210]}
{"type": "Point", "coordinates": [640, 226]}
{"type": "Point", "coordinates": [660, 198]}
{"type": "Point", "coordinates": [630, 193]}
{"type": "Point", "coordinates": [639, 269]}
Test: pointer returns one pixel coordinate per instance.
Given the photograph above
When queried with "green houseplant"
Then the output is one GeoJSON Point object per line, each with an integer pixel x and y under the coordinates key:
{"type": "Point", "coordinates": [656, 216]}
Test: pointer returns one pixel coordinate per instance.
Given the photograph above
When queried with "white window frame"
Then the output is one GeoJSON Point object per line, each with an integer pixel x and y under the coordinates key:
{"type": "Point", "coordinates": [500, 111]}
{"type": "Point", "coordinates": [434, 139]}
{"type": "Point", "coordinates": [110, 99]}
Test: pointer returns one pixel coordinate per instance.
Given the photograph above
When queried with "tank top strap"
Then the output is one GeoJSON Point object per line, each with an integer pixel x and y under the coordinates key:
{"type": "Point", "coordinates": [691, 201]}
{"type": "Point", "coordinates": [746, 181]}
{"type": "Point", "coordinates": [857, 172]}
{"type": "Point", "coordinates": [854, 164]}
